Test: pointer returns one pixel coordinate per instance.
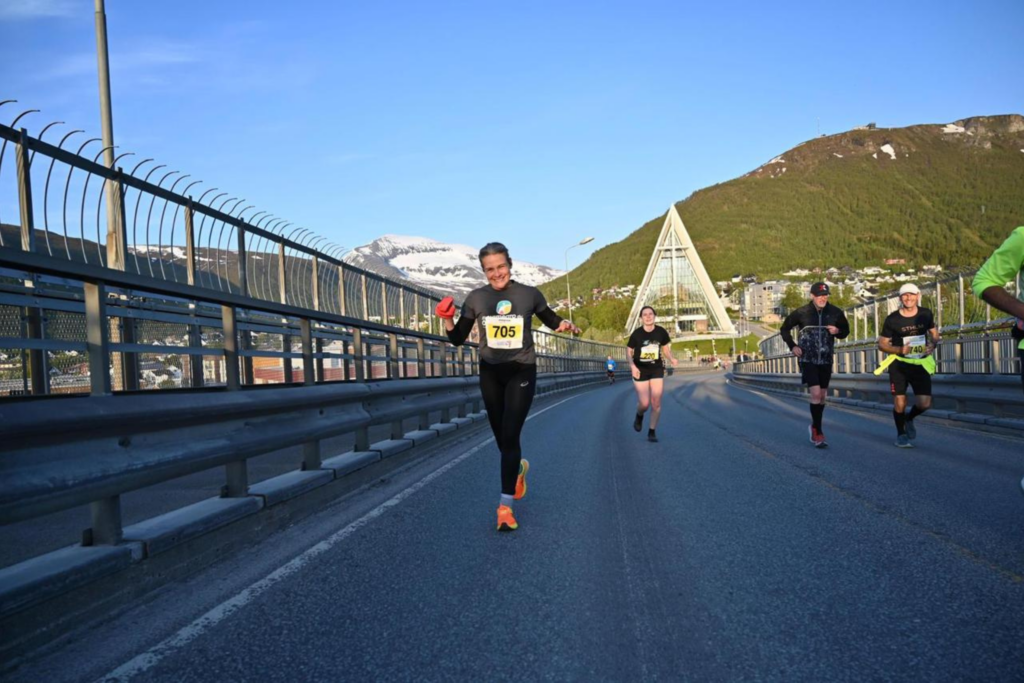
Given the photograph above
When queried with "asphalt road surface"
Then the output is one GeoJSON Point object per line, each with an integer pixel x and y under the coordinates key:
{"type": "Point", "coordinates": [730, 550]}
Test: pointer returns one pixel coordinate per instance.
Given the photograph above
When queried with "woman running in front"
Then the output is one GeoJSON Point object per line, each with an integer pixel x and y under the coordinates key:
{"type": "Point", "coordinates": [648, 344]}
{"type": "Point", "coordinates": [504, 311]}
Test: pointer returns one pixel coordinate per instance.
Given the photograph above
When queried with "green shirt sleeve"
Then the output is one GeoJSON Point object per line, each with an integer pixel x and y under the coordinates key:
{"type": "Point", "coordinates": [1003, 265]}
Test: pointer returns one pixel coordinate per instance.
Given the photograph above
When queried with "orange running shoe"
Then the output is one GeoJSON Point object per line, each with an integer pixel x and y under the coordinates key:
{"type": "Point", "coordinates": [506, 522]}
{"type": "Point", "coordinates": [524, 467]}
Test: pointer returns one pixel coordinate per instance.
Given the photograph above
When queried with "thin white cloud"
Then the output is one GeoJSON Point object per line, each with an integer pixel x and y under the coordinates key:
{"type": "Point", "coordinates": [38, 9]}
{"type": "Point", "coordinates": [342, 159]}
{"type": "Point", "coordinates": [139, 60]}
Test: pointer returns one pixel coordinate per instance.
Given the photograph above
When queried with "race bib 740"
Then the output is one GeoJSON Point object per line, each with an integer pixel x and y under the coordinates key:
{"type": "Point", "coordinates": [917, 345]}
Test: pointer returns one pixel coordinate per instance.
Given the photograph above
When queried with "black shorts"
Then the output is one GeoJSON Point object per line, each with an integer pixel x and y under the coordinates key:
{"type": "Point", "coordinates": [611, 373]}
{"type": "Point", "coordinates": [814, 375]}
{"type": "Point", "coordinates": [902, 375]}
{"type": "Point", "coordinates": [647, 374]}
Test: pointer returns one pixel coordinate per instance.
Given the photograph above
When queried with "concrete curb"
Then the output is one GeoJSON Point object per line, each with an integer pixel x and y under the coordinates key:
{"type": "Point", "coordinates": [1002, 425]}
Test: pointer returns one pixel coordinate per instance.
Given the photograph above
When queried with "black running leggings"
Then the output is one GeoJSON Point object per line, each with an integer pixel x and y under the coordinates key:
{"type": "Point", "coordinates": [507, 390]}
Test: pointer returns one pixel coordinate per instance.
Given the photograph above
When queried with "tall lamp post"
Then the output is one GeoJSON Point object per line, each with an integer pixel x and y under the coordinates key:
{"type": "Point", "coordinates": [568, 294]}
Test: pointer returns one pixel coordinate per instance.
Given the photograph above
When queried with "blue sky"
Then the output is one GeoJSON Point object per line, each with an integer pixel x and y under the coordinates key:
{"type": "Point", "coordinates": [531, 123]}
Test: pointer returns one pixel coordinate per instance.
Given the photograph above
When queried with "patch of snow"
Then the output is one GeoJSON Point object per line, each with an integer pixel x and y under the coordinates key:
{"type": "Point", "coordinates": [875, 155]}
{"type": "Point", "coordinates": [953, 128]}
{"type": "Point", "coordinates": [776, 160]}
{"type": "Point", "coordinates": [837, 155]}
{"type": "Point", "coordinates": [889, 150]}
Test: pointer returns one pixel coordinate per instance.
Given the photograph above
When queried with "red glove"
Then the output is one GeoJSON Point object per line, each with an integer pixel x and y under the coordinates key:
{"type": "Point", "coordinates": [446, 308]}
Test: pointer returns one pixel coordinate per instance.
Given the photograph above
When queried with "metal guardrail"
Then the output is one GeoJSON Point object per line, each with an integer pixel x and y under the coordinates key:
{"type": "Point", "coordinates": [957, 311]}
{"type": "Point", "coordinates": [988, 350]}
{"type": "Point", "coordinates": [214, 249]}
{"type": "Point", "coordinates": [125, 363]}
{"type": "Point", "coordinates": [978, 371]}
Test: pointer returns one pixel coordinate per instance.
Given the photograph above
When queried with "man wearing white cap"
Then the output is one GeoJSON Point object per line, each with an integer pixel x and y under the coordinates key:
{"type": "Point", "coordinates": [910, 335]}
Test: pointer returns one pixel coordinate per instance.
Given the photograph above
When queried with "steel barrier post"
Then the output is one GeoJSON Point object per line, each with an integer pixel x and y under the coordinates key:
{"type": "Point", "coordinates": [366, 308]}
{"type": "Point", "coordinates": [341, 289]}
{"type": "Point", "coordinates": [282, 273]}
{"type": "Point", "coordinates": [401, 308]}
{"type": "Point", "coordinates": [106, 521]}
{"type": "Point", "coordinates": [231, 355]}
{"type": "Point", "coordinates": [190, 243]}
{"type": "Point", "coordinates": [446, 413]}
{"type": "Point", "coordinates": [195, 362]}
{"type": "Point", "coordinates": [98, 338]}
{"type": "Point", "coordinates": [357, 354]}
{"type": "Point", "coordinates": [37, 368]}
{"type": "Point", "coordinates": [393, 366]}
{"type": "Point", "coordinates": [243, 263]}
{"type": "Point", "coordinates": [362, 433]}
{"type": "Point", "coordinates": [311, 458]}
{"type": "Point", "coordinates": [421, 364]}
{"type": "Point", "coordinates": [316, 283]}
{"type": "Point", "coordinates": [236, 473]}
{"type": "Point", "coordinates": [308, 367]}
{"type": "Point", "coordinates": [384, 302]}
{"type": "Point", "coordinates": [286, 362]}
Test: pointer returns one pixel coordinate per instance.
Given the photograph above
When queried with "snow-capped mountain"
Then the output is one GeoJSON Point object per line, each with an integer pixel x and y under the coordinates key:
{"type": "Point", "coordinates": [445, 268]}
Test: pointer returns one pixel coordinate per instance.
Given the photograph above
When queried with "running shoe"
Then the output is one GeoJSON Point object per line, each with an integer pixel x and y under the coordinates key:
{"type": "Point", "coordinates": [638, 423]}
{"type": "Point", "coordinates": [818, 438]}
{"type": "Point", "coordinates": [651, 436]}
{"type": "Point", "coordinates": [524, 467]}
{"type": "Point", "coordinates": [813, 435]}
{"type": "Point", "coordinates": [902, 441]}
{"type": "Point", "coordinates": [506, 522]}
{"type": "Point", "coordinates": [911, 430]}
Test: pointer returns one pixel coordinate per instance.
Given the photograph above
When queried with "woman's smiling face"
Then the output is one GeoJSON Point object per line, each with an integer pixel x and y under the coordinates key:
{"type": "Point", "coordinates": [497, 270]}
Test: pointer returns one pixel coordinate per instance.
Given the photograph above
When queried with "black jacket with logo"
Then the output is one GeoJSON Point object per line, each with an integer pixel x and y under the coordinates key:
{"type": "Point", "coordinates": [815, 340]}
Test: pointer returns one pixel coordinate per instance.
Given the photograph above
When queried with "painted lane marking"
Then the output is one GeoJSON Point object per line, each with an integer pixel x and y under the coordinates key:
{"type": "Point", "coordinates": [187, 634]}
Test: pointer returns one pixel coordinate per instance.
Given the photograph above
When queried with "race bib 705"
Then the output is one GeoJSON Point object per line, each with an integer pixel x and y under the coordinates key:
{"type": "Point", "coordinates": [504, 331]}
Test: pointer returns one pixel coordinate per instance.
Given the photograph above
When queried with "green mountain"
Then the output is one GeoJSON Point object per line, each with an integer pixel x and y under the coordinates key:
{"type": "Point", "coordinates": [945, 194]}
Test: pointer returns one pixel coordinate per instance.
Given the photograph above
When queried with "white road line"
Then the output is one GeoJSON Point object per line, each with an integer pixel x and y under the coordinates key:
{"type": "Point", "coordinates": [187, 634]}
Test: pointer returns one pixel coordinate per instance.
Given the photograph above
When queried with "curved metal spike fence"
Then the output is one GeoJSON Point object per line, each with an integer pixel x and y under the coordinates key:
{"type": "Point", "coordinates": [167, 227]}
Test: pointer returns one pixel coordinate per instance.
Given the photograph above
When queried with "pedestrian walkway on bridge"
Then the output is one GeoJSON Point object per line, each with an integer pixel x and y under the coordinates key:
{"type": "Point", "coordinates": [732, 549]}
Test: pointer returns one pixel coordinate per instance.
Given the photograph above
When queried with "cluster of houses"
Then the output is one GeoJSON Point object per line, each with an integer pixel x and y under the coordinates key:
{"type": "Point", "coordinates": [597, 294]}
{"type": "Point", "coordinates": [763, 300]}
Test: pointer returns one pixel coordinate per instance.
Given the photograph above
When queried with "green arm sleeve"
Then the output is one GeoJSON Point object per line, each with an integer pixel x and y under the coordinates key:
{"type": "Point", "coordinates": [1003, 265]}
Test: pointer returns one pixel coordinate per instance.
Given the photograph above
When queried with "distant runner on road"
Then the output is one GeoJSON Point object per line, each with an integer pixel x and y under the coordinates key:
{"type": "Point", "coordinates": [910, 335]}
{"type": "Point", "coordinates": [648, 344]}
{"type": "Point", "coordinates": [820, 323]}
{"type": "Point", "coordinates": [504, 309]}
{"type": "Point", "coordinates": [610, 366]}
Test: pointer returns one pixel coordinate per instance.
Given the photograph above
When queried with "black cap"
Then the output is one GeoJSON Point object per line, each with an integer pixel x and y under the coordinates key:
{"type": "Point", "coordinates": [819, 289]}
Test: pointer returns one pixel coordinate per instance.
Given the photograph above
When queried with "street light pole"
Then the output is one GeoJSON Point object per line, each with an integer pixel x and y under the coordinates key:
{"type": "Point", "coordinates": [115, 242]}
{"type": "Point", "coordinates": [568, 293]}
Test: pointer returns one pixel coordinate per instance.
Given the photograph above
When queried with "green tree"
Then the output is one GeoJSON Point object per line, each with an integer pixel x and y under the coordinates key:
{"type": "Point", "coordinates": [793, 298]}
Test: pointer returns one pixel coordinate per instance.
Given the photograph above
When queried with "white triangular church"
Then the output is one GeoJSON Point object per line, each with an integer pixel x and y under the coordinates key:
{"type": "Point", "coordinates": [679, 289]}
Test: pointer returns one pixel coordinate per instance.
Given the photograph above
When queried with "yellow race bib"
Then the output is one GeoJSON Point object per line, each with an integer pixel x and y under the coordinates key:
{"type": "Point", "coordinates": [504, 331]}
{"type": "Point", "coordinates": [917, 345]}
{"type": "Point", "coordinates": [650, 353]}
